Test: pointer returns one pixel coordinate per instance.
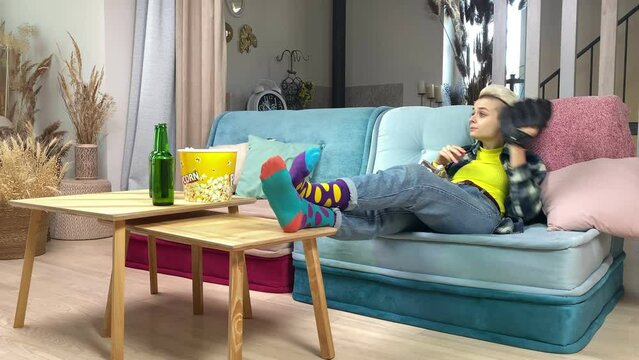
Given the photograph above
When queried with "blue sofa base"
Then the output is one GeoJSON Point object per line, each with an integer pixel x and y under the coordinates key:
{"type": "Point", "coordinates": [546, 323]}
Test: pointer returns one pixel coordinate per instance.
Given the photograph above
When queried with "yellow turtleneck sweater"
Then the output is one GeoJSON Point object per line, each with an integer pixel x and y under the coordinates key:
{"type": "Point", "coordinates": [486, 171]}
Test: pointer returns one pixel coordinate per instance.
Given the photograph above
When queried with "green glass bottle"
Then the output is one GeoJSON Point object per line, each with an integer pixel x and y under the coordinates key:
{"type": "Point", "coordinates": [163, 170]}
{"type": "Point", "coordinates": [156, 146]}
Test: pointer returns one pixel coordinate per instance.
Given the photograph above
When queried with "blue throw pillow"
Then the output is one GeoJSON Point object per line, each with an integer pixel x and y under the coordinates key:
{"type": "Point", "coordinates": [259, 151]}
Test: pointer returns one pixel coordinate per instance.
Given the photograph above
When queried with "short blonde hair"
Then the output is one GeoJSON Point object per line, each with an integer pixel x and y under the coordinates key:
{"type": "Point", "coordinates": [499, 92]}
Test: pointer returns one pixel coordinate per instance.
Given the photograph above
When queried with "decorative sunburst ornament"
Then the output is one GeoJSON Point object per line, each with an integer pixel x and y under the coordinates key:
{"type": "Point", "coordinates": [247, 39]}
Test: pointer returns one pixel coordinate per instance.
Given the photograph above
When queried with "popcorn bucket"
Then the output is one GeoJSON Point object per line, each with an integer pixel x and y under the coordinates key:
{"type": "Point", "coordinates": [207, 175]}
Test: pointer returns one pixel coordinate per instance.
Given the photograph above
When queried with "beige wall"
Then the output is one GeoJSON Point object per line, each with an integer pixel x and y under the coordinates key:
{"type": "Point", "coordinates": [392, 42]}
{"type": "Point", "coordinates": [104, 32]}
{"type": "Point", "coordinates": [279, 25]}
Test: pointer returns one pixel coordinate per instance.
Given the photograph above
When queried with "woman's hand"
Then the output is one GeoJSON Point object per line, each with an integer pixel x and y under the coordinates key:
{"type": "Point", "coordinates": [517, 152]}
{"type": "Point", "coordinates": [450, 154]}
{"type": "Point", "coordinates": [521, 122]}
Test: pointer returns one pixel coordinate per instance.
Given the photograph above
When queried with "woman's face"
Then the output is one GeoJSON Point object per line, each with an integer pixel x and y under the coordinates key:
{"type": "Point", "coordinates": [484, 121]}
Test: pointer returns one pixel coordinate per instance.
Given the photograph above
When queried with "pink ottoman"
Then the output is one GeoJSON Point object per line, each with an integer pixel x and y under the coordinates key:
{"type": "Point", "coordinates": [269, 270]}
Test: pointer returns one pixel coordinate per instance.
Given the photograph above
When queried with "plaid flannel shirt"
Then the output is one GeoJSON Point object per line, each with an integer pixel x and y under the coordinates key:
{"type": "Point", "coordinates": [523, 202]}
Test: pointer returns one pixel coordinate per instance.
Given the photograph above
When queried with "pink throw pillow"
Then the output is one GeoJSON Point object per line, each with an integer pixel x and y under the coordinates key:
{"type": "Point", "coordinates": [601, 194]}
{"type": "Point", "coordinates": [585, 128]}
{"type": "Point", "coordinates": [242, 150]}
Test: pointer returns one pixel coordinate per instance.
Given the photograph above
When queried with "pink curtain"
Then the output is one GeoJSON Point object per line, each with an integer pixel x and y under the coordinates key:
{"type": "Point", "coordinates": [200, 69]}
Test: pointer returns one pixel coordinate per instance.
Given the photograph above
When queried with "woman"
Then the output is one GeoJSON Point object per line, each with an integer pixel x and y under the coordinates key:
{"type": "Point", "coordinates": [492, 182]}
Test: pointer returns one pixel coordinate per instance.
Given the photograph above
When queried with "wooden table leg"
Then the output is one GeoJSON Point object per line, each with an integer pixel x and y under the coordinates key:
{"type": "Point", "coordinates": [316, 283]}
{"type": "Point", "coordinates": [196, 279]}
{"type": "Point", "coordinates": [117, 302]}
{"type": "Point", "coordinates": [38, 225]}
{"type": "Point", "coordinates": [106, 328]}
{"type": "Point", "coordinates": [236, 284]}
{"type": "Point", "coordinates": [248, 312]}
{"type": "Point", "coordinates": [153, 264]}
{"type": "Point", "coordinates": [234, 209]}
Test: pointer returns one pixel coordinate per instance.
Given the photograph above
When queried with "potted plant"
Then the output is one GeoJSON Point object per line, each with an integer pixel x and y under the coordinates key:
{"type": "Point", "coordinates": [305, 95]}
{"type": "Point", "coordinates": [462, 14]}
{"type": "Point", "coordinates": [454, 94]}
{"type": "Point", "coordinates": [27, 170]}
{"type": "Point", "coordinates": [30, 165]}
{"type": "Point", "coordinates": [88, 108]}
{"type": "Point", "coordinates": [24, 79]}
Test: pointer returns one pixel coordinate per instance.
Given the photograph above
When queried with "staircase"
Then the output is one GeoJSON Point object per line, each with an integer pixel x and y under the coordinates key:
{"type": "Point", "coordinates": [589, 49]}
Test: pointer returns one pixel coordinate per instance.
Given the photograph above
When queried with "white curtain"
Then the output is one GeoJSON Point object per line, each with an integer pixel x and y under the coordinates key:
{"type": "Point", "coordinates": [152, 93]}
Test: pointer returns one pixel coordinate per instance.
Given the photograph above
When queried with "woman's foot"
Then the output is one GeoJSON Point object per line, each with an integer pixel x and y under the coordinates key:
{"type": "Point", "coordinates": [303, 165]}
{"type": "Point", "coordinates": [330, 194]}
{"type": "Point", "coordinates": [292, 212]}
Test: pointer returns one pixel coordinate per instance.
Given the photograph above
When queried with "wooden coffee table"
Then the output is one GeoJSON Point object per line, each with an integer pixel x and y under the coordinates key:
{"type": "Point", "coordinates": [236, 233]}
{"type": "Point", "coordinates": [117, 208]}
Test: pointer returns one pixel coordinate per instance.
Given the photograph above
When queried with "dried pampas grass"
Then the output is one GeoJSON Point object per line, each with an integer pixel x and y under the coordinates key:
{"type": "Point", "coordinates": [19, 42]}
{"type": "Point", "coordinates": [29, 169]}
{"type": "Point", "coordinates": [25, 82]}
{"type": "Point", "coordinates": [88, 107]}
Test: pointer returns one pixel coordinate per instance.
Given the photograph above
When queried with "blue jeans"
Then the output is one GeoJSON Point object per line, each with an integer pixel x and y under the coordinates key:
{"type": "Point", "coordinates": [411, 198]}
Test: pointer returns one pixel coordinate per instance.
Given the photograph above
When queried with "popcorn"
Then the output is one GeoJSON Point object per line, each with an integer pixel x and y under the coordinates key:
{"type": "Point", "coordinates": [207, 175]}
{"type": "Point", "coordinates": [212, 190]}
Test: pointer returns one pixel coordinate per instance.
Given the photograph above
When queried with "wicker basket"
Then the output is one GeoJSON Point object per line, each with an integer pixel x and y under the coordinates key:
{"type": "Point", "coordinates": [14, 226]}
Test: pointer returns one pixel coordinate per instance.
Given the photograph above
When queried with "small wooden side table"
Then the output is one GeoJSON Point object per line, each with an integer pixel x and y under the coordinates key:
{"type": "Point", "coordinates": [236, 233]}
{"type": "Point", "coordinates": [118, 208]}
{"type": "Point", "coordinates": [74, 227]}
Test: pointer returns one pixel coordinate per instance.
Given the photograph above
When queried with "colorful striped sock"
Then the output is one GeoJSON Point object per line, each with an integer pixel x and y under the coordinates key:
{"type": "Point", "coordinates": [330, 194]}
{"type": "Point", "coordinates": [292, 212]}
{"type": "Point", "coordinates": [303, 165]}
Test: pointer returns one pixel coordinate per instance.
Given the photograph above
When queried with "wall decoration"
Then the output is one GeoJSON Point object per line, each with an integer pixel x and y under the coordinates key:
{"type": "Point", "coordinates": [297, 92]}
{"type": "Point", "coordinates": [228, 32]}
{"type": "Point", "coordinates": [236, 7]}
{"type": "Point", "coordinates": [247, 39]}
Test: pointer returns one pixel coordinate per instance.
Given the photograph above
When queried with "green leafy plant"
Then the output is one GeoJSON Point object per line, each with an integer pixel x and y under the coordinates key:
{"type": "Point", "coordinates": [305, 95]}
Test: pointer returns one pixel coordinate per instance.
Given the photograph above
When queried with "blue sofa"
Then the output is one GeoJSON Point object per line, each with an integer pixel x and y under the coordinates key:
{"type": "Point", "coordinates": [548, 291]}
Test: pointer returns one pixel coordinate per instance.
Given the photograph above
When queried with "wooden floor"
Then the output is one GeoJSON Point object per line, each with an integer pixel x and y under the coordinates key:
{"type": "Point", "coordinates": [70, 283]}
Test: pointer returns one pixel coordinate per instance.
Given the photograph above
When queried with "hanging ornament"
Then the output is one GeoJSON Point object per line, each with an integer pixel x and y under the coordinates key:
{"type": "Point", "coordinates": [292, 83]}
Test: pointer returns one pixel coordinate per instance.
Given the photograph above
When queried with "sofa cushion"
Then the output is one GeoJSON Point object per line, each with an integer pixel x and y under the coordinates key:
{"type": "Point", "coordinates": [345, 134]}
{"type": "Point", "coordinates": [585, 128]}
{"type": "Point", "coordinates": [260, 150]}
{"type": "Point", "coordinates": [407, 134]}
{"type": "Point", "coordinates": [242, 151]}
{"type": "Point", "coordinates": [601, 194]}
{"type": "Point", "coordinates": [537, 261]}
